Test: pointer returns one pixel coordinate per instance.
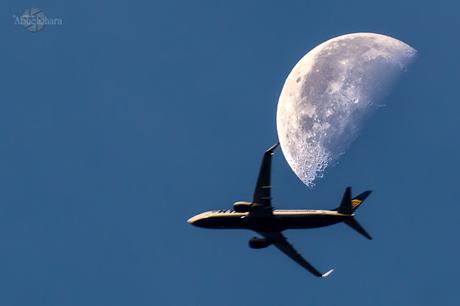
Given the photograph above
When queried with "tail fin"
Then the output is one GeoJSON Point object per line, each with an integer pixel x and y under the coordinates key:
{"type": "Point", "coordinates": [349, 205]}
{"type": "Point", "coordinates": [358, 227]}
{"type": "Point", "coordinates": [359, 199]}
{"type": "Point", "coordinates": [345, 206]}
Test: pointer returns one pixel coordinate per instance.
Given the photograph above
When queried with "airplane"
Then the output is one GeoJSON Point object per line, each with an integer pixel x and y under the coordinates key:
{"type": "Point", "coordinates": [269, 223]}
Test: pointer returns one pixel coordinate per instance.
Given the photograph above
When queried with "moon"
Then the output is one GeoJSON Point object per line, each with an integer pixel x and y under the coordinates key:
{"type": "Point", "coordinates": [330, 92]}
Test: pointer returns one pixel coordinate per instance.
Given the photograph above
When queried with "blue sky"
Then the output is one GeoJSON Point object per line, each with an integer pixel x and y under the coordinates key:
{"type": "Point", "coordinates": [133, 116]}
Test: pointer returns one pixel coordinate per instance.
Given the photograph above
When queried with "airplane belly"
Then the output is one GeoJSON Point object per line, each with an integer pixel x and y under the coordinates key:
{"type": "Point", "coordinates": [311, 221]}
{"type": "Point", "coordinates": [224, 223]}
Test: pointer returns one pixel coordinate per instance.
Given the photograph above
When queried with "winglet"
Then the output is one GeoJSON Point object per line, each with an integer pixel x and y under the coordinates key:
{"type": "Point", "coordinates": [272, 148]}
{"type": "Point", "coordinates": [328, 273]}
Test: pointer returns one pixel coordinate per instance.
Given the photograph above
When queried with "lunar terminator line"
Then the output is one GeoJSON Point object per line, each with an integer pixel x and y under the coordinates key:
{"type": "Point", "coordinates": [329, 95]}
{"type": "Point", "coordinates": [269, 223]}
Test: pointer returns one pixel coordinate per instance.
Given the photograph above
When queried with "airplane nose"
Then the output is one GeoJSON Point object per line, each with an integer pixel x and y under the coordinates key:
{"type": "Point", "coordinates": [193, 220]}
{"type": "Point", "coordinates": [196, 220]}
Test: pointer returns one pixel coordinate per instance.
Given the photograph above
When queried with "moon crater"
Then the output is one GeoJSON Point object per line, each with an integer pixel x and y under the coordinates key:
{"type": "Point", "coordinates": [329, 94]}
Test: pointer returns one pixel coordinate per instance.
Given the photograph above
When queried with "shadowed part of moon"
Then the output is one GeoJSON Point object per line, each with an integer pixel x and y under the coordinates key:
{"type": "Point", "coordinates": [329, 94]}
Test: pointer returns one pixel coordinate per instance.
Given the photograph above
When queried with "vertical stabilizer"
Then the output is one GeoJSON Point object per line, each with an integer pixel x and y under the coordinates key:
{"type": "Point", "coordinates": [346, 206]}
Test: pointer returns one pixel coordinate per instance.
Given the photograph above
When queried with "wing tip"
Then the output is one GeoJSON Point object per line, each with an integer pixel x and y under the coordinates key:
{"type": "Point", "coordinates": [272, 148]}
{"type": "Point", "coordinates": [327, 273]}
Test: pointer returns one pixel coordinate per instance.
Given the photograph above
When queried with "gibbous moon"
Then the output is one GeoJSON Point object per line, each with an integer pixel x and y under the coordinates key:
{"type": "Point", "coordinates": [329, 94]}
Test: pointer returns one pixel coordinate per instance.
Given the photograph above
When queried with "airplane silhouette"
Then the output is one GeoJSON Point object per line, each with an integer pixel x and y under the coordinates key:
{"type": "Point", "coordinates": [269, 223]}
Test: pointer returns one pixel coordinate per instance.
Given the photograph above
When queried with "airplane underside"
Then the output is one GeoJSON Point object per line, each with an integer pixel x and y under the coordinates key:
{"type": "Point", "coordinates": [271, 223]}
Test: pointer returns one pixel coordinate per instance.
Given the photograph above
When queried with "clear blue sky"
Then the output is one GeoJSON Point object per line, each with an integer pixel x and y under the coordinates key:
{"type": "Point", "coordinates": [135, 115]}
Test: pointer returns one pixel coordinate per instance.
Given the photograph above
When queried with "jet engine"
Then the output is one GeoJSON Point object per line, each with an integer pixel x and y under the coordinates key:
{"type": "Point", "coordinates": [242, 207]}
{"type": "Point", "coordinates": [258, 243]}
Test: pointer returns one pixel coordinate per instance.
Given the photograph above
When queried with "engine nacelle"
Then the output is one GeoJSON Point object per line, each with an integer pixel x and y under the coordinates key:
{"type": "Point", "coordinates": [258, 243]}
{"type": "Point", "coordinates": [242, 207]}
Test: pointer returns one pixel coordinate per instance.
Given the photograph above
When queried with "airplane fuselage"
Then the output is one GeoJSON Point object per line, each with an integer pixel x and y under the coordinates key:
{"type": "Point", "coordinates": [259, 216]}
{"type": "Point", "coordinates": [276, 220]}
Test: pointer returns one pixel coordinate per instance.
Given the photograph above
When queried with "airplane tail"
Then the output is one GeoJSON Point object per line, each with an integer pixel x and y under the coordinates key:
{"type": "Point", "coordinates": [349, 205]}
{"type": "Point", "coordinates": [357, 227]}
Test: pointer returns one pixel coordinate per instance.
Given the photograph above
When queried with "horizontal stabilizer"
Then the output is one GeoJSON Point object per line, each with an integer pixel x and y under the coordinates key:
{"type": "Point", "coordinates": [358, 227]}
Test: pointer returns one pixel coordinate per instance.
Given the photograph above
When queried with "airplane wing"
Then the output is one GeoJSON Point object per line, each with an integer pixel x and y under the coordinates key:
{"type": "Point", "coordinates": [281, 242]}
{"type": "Point", "coordinates": [262, 193]}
